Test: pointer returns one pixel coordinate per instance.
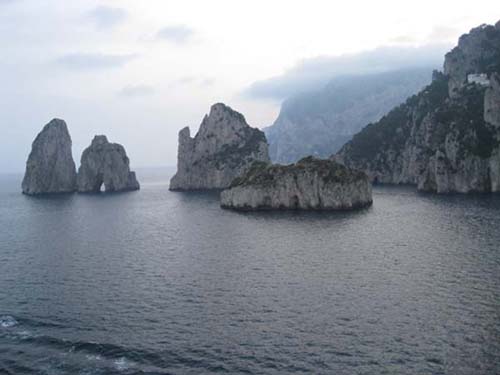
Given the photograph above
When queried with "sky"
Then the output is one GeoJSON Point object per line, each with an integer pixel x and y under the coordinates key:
{"type": "Point", "coordinates": [139, 71]}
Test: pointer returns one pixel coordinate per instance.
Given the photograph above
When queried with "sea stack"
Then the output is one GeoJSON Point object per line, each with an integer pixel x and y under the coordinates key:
{"type": "Point", "coordinates": [224, 148]}
{"type": "Point", "coordinates": [310, 184]}
{"type": "Point", "coordinates": [50, 167]}
{"type": "Point", "coordinates": [107, 164]}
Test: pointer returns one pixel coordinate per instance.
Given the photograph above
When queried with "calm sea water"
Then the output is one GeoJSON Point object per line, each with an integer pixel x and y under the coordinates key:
{"type": "Point", "coordinates": [155, 282]}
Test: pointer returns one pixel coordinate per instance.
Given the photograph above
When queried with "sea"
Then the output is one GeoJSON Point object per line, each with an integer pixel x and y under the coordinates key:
{"type": "Point", "coordinates": [160, 282]}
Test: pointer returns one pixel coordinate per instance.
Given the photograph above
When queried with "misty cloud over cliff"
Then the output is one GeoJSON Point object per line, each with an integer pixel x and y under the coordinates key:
{"type": "Point", "coordinates": [315, 72]}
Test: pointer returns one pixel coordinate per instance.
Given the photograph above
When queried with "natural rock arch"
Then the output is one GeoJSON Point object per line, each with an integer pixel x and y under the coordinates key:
{"type": "Point", "coordinates": [107, 164]}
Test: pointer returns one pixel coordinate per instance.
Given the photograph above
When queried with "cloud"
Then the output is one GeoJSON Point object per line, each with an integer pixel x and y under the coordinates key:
{"type": "Point", "coordinates": [194, 81]}
{"type": "Point", "coordinates": [438, 34]}
{"type": "Point", "coordinates": [207, 82]}
{"type": "Point", "coordinates": [91, 61]}
{"type": "Point", "coordinates": [443, 34]}
{"type": "Point", "coordinates": [137, 91]}
{"type": "Point", "coordinates": [186, 80]}
{"type": "Point", "coordinates": [310, 74]}
{"type": "Point", "coordinates": [106, 17]}
{"type": "Point", "coordinates": [178, 34]}
{"type": "Point", "coordinates": [404, 39]}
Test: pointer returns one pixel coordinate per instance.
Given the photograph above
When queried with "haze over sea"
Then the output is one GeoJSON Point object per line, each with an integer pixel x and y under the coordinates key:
{"type": "Point", "coordinates": [156, 282]}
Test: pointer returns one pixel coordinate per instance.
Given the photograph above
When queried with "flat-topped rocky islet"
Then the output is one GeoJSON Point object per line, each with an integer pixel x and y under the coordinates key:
{"type": "Point", "coordinates": [310, 184]}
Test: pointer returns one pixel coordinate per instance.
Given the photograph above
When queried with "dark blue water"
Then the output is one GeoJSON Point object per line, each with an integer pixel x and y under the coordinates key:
{"type": "Point", "coordinates": [155, 282]}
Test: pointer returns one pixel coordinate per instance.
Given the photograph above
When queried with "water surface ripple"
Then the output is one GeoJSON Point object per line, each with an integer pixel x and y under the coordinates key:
{"type": "Point", "coordinates": [155, 282]}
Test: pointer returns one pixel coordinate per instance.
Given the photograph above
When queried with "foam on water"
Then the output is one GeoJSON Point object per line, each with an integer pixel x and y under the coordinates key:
{"type": "Point", "coordinates": [24, 335]}
{"type": "Point", "coordinates": [7, 321]}
{"type": "Point", "coordinates": [93, 357]}
{"type": "Point", "coordinates": [122, 364]}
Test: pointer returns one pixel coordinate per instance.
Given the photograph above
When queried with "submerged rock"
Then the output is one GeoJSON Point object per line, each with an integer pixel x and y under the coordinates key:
{"type": "Point", "coordinates": [310, 184]}
{"type": "Point", "coordinates": [224, 148]}
{"type": "Point", "coordinates": [107, 164]}
{"type": "Point", "coordinates": [50, 167]}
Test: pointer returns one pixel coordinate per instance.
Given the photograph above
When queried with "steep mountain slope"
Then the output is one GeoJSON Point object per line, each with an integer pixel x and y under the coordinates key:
{"type": "Point", "coordinates": [318, 123]}
{"type": "Point", "coordinates": [446, 138]}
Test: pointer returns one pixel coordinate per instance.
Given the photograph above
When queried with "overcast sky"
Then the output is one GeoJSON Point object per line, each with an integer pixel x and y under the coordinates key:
{"type": "Point", "coordinates": [138, 71]}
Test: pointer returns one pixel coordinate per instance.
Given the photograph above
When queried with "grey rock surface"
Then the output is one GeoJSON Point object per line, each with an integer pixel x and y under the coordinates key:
{"type": "Point", "coordinates": [446, 138]}
{"type": "Point", "coordinates": [224, 147]}
{"type": "Point", "coordinates": [320, 122]}
{"type": "Point", "coordinates": [105, 164]}
{"type": "Point", "coordinates": [310, 184]}
{"type": "Point", "coordinates": [492, 101]}
{"type": "Point", "coordinates": [477, 52]}
{"type": "Point", "coordinates": [50, 167]}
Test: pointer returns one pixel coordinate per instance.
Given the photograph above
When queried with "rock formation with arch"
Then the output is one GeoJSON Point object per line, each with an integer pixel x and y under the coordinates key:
{"type": "Point", "coordinates": [105, 164]}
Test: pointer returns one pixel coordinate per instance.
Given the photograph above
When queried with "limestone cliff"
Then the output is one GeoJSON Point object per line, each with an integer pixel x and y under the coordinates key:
{"type": "Point", "coordinates": [50, 167]}
{"type": "Point", "coordinates": [477, 52]}
{"type": "Point", "coordinates": [107, 164]}
{"type": "Point", "coordinates": [447, 137]}
{"type": "Point", "coordinates": [224, 147]}
{"type": "Point", "coordinates": [310, 184]}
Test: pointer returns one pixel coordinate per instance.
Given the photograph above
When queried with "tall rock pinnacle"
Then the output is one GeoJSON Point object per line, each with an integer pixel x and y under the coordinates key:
{"type": "Point", "coordinates": [50, 167]}
{"type": "Point", "coordinates": [223, 149]}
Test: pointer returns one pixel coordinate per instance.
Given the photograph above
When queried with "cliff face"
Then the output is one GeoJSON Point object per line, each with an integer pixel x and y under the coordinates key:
{"type": "Point", "coordinates": [224, 147]}
{"type": "Point", "coordinates": [311, 184]}
{"type": "Point", "coordinates": [476, 52]}
{"type": "Point", "coordinates": [446, 138]}
{"type": "Point", "coordinates": [50, 167]}
{"type": "Point", "coordinates": [107, 164]}
{"type": "Point", "coordinates": [319, 123]}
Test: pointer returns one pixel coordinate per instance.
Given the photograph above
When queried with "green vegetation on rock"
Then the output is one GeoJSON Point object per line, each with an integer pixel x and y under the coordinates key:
{"type": "Point", "coordinates": [446, 138]}
{"type": "Point", "coordinates": [264, 174]}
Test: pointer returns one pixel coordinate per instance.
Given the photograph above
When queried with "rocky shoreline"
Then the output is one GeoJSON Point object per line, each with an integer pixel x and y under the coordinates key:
{"type": "Point", "coordinates": [446, 138]}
